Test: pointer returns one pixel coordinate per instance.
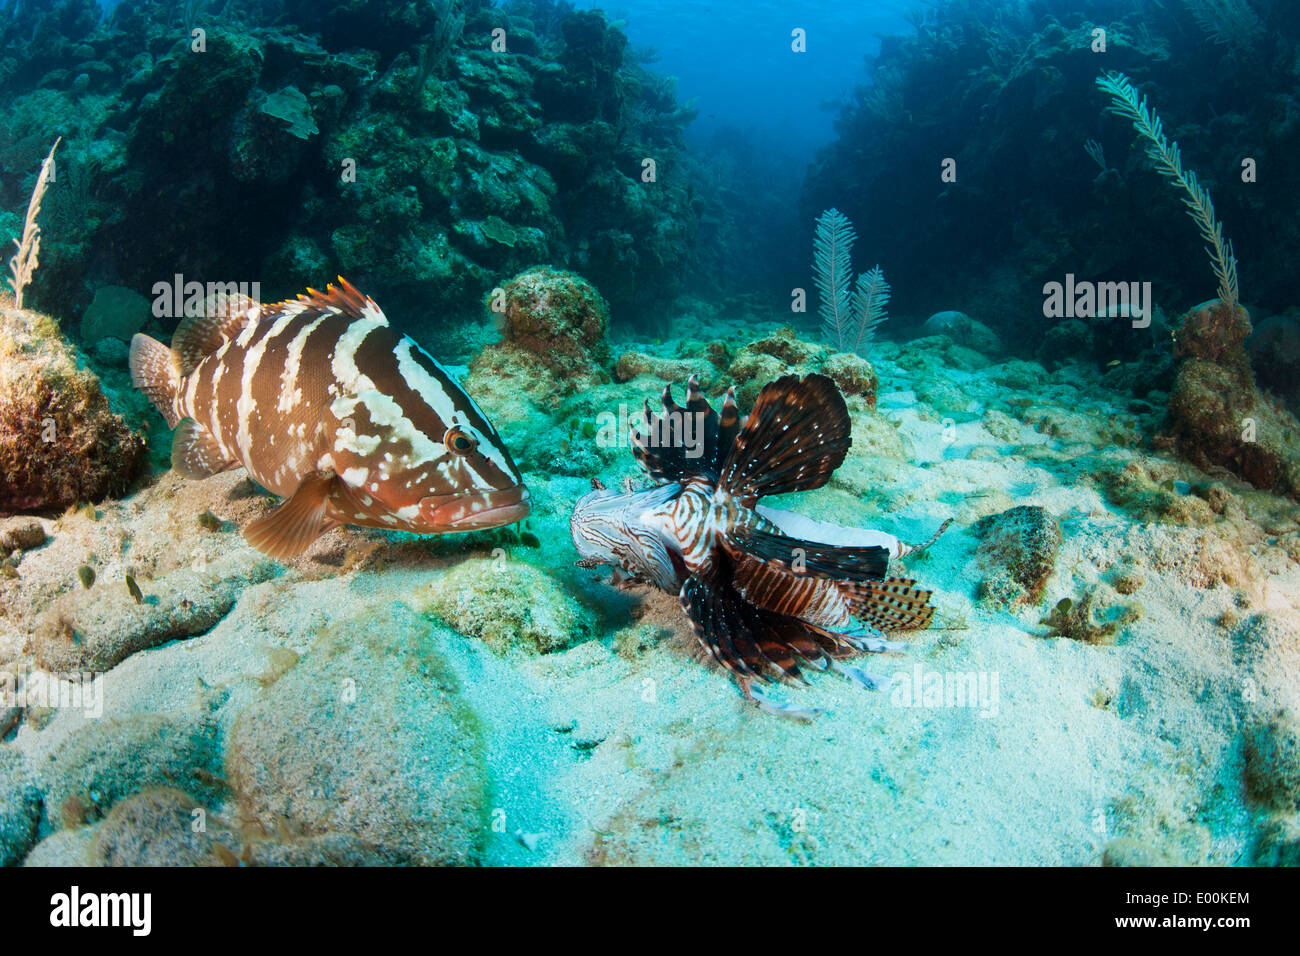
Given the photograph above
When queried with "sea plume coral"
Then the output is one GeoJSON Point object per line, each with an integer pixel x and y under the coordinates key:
{"type": "Point", "coordinates": [24, 262]}
{"type": "Point", "coordinates": [1230, 22]}
{"type": "Point", "coordinates": [1126, 101]}
{"type": "Point", "coordinates": [849, 321]}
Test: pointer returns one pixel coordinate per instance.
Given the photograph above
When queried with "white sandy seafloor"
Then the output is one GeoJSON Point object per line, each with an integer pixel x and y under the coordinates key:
{"type": "Point", "coordinates": [624, 748]}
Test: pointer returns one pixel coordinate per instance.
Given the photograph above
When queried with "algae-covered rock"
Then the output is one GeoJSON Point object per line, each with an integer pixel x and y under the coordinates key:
{"type": "Point", "coordinates": [20, 534]}
{"type": "Point", "coordinates": [674, 371]}
{"type": "Point", "coordinates": [965, 331]}
{"type": "Point", "coordinates": [1272, 769]}
{"type": "Point", "coordinates": [1019, 547]}
{"type": "Point", "coordinates": [783, 353]}
{"type": "Point", "coordinates": [96, 627]}
{"type": "Point", "coordinates": [853, 374]}
{"type": "Point", "coordinates": [367, 737]}
{"type": "Point", "coordinates": [1088, 621]}
{"type": "Point", "coordinates": [60, 443]}
{"type": "Point", "coordinates": [105, 761]}
{"type": "Point", "coordinates": [1147, 489]}
{"type": "Point", "coordinates": [20, 804]}
{"type": "Point", "coordinates": [1217, 417]}
{"type": "Point", "coordinates": [1278, 843]}
{"type": "Point", "coordinates": [155, 827]}
{"type": "Point", "coordinates": [557, 316]}
{"type": "Point", "coordinates": [508, 604]}
{"type": "Point", "coordinates": [63, 848]}
{"type": "Point", "coordinates": [555, 324]}
{"type": "Point", "coordinates": [1128, 851]}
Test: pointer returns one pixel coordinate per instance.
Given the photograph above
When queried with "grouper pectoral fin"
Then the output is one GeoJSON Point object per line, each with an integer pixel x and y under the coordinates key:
{"type": "Point", "coordinates": [291, 528]}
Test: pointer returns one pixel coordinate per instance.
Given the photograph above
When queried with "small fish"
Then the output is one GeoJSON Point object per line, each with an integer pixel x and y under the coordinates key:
{"type": "Point", "coordinates": [326, 405]}
{"type": "Point", "coordinates": [765, 590]}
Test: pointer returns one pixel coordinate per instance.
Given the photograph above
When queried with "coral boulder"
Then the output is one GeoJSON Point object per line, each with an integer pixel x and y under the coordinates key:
{"type": "Point", "coordinates": [1218, 419]}
{"type": "Point", "coordinates": [60, 442]}
{"type": "Point", "coordinates": [555, 325]}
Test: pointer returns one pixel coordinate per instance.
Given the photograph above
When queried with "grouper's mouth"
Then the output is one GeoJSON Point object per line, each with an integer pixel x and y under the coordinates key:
{"type": "Point", "coordinates": [476, 510]}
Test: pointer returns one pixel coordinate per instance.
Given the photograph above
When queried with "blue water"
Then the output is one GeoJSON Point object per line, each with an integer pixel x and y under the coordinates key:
{"type": "Point", "coordinates": [735, 60]}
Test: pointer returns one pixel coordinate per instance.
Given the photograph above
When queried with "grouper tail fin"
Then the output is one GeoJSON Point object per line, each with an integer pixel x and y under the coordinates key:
{"type": "Point", "coordinates": [156, 371]}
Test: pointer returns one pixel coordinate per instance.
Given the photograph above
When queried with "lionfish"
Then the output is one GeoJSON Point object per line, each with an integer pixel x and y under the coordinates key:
{"type": "Point", "coordinates": [766, 590]}
{"type": "Point", "coordinates": [326, 405]}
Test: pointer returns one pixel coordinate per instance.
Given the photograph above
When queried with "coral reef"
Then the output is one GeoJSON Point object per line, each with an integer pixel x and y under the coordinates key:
{"type": "Point", "coordinates": [581, 715]}
{"type": "Point", "coordinates": [1012, 75]}
{"type": "Point", "coordinates": [60, 442]}
{"type": "Point", "coordinates": [1218, 419]}
{"type": "Point", "coordinates": [386, 136]}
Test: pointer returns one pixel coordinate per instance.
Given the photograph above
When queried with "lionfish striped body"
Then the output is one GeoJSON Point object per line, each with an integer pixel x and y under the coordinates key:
{"type": "Point", "coordinates": [326, 405]}
{"type": "Point", "coordinates": [765, 590]}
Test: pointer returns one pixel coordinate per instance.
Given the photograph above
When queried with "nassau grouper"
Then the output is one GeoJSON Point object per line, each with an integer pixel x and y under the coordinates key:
{"type": "Point", "coordinates": [765, 590]}
{"type": "Point", "coordinates": [326, 405]}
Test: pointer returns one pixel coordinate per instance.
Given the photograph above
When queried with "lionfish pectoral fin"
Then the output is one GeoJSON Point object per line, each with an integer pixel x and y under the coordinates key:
{"type": "Point", "coordinates": [776, 707]}
{"type": "Point", "coordinates": [860, 677]}
{"type": "Point", "coordinates": [839, 562]}
{"type": "Point", "coordinates": [795, 437]}
{"type": "Point", "coordinates": [291, 528]}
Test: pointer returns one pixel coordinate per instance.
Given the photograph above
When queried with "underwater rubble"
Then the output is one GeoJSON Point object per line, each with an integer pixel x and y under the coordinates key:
{"type": "Point", "coordinates": [1109, 679]}
{"type": "Point", "coordinates": [493, 679]}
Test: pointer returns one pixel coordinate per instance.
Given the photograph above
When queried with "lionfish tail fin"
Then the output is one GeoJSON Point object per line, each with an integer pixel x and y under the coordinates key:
{"type": "Point", "coordinates": [894, 604]}
{"type": "Point", "coordinates": [796, 436]}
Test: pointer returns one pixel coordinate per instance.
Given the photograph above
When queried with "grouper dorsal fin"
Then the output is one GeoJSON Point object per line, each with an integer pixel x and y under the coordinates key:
{"type": "Point", "coordinates": [220, 320]}
{"type": "Point", "coordinates": [344, 298]}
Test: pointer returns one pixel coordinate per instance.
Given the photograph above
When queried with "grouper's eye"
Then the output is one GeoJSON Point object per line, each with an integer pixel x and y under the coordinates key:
{"type": "Point", "coordinates": [459, 442]}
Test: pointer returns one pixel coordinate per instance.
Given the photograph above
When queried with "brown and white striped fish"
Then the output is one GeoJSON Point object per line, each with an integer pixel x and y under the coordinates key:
{"type": "Point", "coordinates": [765, 589]}
{"type": "Point", "coordinates": [326, 405]}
